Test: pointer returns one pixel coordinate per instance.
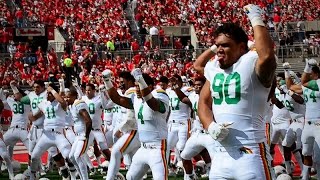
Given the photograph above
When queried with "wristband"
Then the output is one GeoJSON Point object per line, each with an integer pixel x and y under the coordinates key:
{"type": "Point", "coordinates": [307, 69]}
{"type": "Point", "coordinates": [53, 92]}
{"type": "Point", "coordinates": [62, 87]}
{"type": "Point", "coordinates": [290, 93]}
{"type": "Point", "coordinates": [287, 74]}
{"type": "Point", "coordinates": [257, 21]}
{"type": "Point", "coordinates": [108, 84]}
{"type": "Point", "coordinates": [214, 48]}
{"type": "Point", "coordinates": [14, 89]}
{"type": "Point", "coordinates": [142, 84]}
{"type": "Point", "coordinates": [148, 97]}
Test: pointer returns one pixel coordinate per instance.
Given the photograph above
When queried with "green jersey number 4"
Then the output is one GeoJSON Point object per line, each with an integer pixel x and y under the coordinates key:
{"type": "Point", "coordinates": [226, 88]}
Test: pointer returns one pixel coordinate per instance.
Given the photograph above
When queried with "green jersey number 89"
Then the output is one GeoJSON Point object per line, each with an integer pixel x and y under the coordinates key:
{"type": "Point", "coordinates": [223, 84]}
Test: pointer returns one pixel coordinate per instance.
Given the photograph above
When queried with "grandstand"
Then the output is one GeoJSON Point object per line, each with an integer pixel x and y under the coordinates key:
{"type": "Point", "coordinates": [95, 32]}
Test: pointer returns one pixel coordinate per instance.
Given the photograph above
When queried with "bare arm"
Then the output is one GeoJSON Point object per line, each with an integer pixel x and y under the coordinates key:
{"type": "Point", "coordinates": [296, 88]}
{"type": "Point", "coordinates": [36, 116]}
{"type": "Point", "coordinates": [153, 103]}
{"type": "Point", "coordinates": [120, 100]}
{"type": "Point", "coordinates": [58, 98]}
{"type": "Point", "coordinates": [305, 77]}
{"type": "Point", "coordinates": [87, 120]}
{"type": "Point", "coordinates": [182, 97]}
{"type": "Point", "coordinates": [276, 102]}
{"type": "Point", "coordinates": [266, 64]}
{"type": "Point", "coordinates": [202, 60]}
{"type": "Point", "coordinates": [205, 106]}
{"type": "Point", "coordinates": [297, 98]}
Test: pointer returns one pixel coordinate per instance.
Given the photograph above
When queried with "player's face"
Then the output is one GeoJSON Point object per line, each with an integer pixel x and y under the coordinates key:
{"type": "Point", "coordinates": [198, 86]}
{"type": "Point", "coordinates": [228, 51]}
{"type": "Point", "coordinates": [17, 96]}
{"type": "Point", "coordinates": [163, 85]}
{"type": "Point", "coordinates": [50, 97]}
{"type": "Point", "coordinates": [314, 75]}
{"type": "Point", "coordinates": [69, 98]}
{"type": "Point", "coordinates": [90, 92]}
{"type": "Point", "coordinates": [121, 84]}
{"type": "Point", "coordinates": [38, 89]}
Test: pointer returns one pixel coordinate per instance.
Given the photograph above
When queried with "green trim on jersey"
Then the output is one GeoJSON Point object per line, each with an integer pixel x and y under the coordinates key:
{"type": "Point", "coordinates": [25, 100]}
{"type": "Point", "coordinates": [162, 108]}
{"type": "Point", "coordinates": [313, 85]}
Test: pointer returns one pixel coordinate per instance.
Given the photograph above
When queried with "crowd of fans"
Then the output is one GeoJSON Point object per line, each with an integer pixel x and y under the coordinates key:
{"type": "Point", "coordinates": [95, 27]}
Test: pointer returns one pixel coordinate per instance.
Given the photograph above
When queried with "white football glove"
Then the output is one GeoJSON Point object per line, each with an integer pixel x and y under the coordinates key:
{"type": "Point", "coordinates": [254, 14]}
{"type": "Point", "coordinates": [283, 88]}
{"type": "Point", "coordinates": [61, 85]}
{"type": "Point", "coordinates": [106, 75]}
{"type": "Point", "coordinates": [309, 64]}
{"type": "Point", "coordinates": [75, 83]}
{"type": "Point", "coordinates": [218, 131]}
{"type": "Point", "coordinates": [102, 88]}
{"type": "Point", "coordinates": [294, 77]}
{"type": "Point", "coordinates": [312, 62]}
{"type": "Point", "coordinates": [137, 74]}
{"type": "Point", "coordinates": [286, 66]}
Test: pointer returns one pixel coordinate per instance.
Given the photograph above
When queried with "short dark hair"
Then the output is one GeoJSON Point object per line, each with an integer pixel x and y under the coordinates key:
{"type": "Point", "coordinates": [73, 91]}
{"type": "Point", "coordinates": [91, 85]}
{"type": "Point", "coordinates": [149, 80]}
{"type": "Point", "coordinates": [316, 70]}
{"type": "Point", "coordinates": [127, 76]}
{"type": "Point", "coordinates": [178, 77]}
{"type": "Point", "coordinates": [234, 32]}
{"type": "Point", "coordinates": [164, 79]}
{"type": "Point", "coordinates": [51, 84]}
{"type": "Point", "coordinates": [200, 78]}
{"type": "Point", "coordinates": [39, 82]}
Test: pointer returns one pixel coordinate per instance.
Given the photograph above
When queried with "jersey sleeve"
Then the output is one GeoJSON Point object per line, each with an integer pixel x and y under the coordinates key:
{"type": "Point", "coordinates": [81, 105]}
{"type": "Point", "coordinates": [313, 85]}
{"type": "Point", "coordinates": [25, 100]}
{"type": "Point", "coordinates": [187, 90]}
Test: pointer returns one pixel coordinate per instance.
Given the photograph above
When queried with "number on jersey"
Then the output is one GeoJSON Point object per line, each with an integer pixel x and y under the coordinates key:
{"type": "Point", "coordinates": [227, 89]}
{"type": "Point", "coordinates": [35, 102]}
{"type": "Point", "coordinates": [92, 109]}
{"type": "Point", "coordinates": [175, 103]}
{"type": "Point", "coordinates": [18, 108]}
{"type": "Point", "coordinates": [50, 112]}
{"type": "Point", "coordinates": [312, 96]}
{"type": "Point", "coordinates": [140, 115]}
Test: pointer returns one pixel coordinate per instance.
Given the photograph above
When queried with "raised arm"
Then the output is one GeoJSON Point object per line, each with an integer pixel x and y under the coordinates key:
{"type": "Point", "coordinates": [58, 97]}
{"type": "Point", "coordinates": [182, 97]}
{"type": "Point", "coordinates": [113, 93]}
{"type": "Point", "coordinates": [202, 60]}
{"type": "Point", "coordinates": [146, 89]}
{"type": "Point", "coordinates": [266, 64]}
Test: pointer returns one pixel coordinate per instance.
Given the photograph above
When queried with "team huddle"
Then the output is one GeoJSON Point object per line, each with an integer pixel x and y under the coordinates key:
{"type": "Point", "coordinates": [229, 119]}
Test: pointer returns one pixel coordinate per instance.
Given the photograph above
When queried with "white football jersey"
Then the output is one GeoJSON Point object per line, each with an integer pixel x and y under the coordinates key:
{"type": "Point", "coordinates": [280, 115]}
{"type": "Point", "coordinates": [20, 110]}
{"type": "Point", "coordinates": [79, 124]}
{"type": "Point", "coordinates": [194, 98]}
{"type": "Point", "coordinates": [312, 100]}
{"type": "Point", "coordinates": [179, 110]}
{"type": "Point", "coordinates": [268, 112]}
{"type": "Point", "coordinates": [35, 100]}
{"type": "Point", "coordinates": [120, 113]}
{"type": "Point", "coordinates": [239, 97]}
{"type": "Point", "coordinates": [295, 109]}
{"type": "Point", "coordinates": [54, 114]}
{"type": "Point", "coordinates": [152, 125]}
{"type": "Point", "coordinates": [95, 110]}
{"type": "Point", "coordinates": [69, 120]}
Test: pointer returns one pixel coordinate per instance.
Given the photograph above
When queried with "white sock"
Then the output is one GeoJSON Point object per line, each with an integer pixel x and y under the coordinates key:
{"type": "Point", "coordinates": [305, 172]}
{"type": "Point", "coordinates": [288, 166]}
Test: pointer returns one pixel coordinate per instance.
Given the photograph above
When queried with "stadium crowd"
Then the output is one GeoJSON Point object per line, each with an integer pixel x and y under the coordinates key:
{"type": "Point", "coordinates": [96, 26]}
